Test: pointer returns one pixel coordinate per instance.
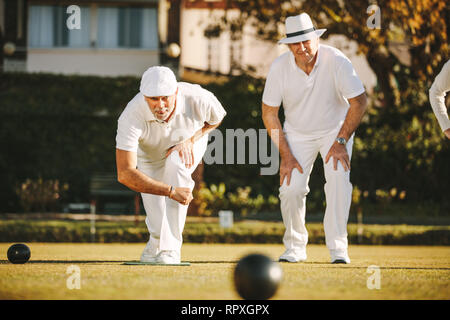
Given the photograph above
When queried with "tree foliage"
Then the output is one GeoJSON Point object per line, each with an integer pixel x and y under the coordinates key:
{"type": "Point", "coordinates": [421, 25]}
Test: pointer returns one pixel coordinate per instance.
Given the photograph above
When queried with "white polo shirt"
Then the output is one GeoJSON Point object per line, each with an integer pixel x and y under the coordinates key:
{"type": "Point", "coordinates": [139, 131]}
{"type": "Point", "coordinates": [441, 85]}
{"type": "Point", "coordinates": [315, 104]}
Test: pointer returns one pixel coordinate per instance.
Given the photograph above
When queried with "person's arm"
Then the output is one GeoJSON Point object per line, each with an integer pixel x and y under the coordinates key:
{"type": "Point", "coordinates": [437, 98]}
{"type": "Point", "coordinates": [128, 175]}
{"type": "Point", "coordinates": [186, 148]}
{"type": "Point", "coordinates": [275, 131]}
{"type": "Point", "coordinates": [206, 129]}
{"type": "Point", "coordinates": [338, 152]}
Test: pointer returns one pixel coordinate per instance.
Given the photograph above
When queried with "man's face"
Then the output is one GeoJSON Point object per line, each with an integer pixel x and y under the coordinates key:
{"type": "Point", "coordinates": [305, 51]}
{"type": "Point", "coordinates": [162, 106]}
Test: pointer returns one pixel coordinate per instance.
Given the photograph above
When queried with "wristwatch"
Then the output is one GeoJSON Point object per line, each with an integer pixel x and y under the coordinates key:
{"type": "Point", "coordinates": [341, 140]}
{"type": "Point", "coordinates": [170, 192]}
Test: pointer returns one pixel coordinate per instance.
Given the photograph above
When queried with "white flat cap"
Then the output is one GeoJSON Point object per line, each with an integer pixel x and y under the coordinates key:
{"type": "Point", "coordinates": [158, 81]}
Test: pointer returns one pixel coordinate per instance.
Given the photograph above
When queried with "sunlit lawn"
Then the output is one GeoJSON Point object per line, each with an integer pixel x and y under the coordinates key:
{"type": "Point", "coordinates": [406, 272]}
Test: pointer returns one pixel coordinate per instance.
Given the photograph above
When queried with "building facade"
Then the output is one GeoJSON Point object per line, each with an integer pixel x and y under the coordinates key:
{"type": "Point", "coordinates": [121, 37]}
{"type": "Point", "coordinates": [107, 38]}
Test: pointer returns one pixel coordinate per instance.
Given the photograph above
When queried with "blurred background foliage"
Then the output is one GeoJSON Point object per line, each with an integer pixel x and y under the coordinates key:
{"type": "Point", "coordinates": [421, 25]}
{"type": "Point", "coordinates": [56, 131]}
{"type": "Point", "coordinates": [400, 158]}
{"type": "Point", "coordinates": [55, 127]}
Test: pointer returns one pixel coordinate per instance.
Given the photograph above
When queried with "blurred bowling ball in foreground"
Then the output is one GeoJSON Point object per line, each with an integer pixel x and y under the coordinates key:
{"type": "Point", "coordinates": [257, 277]}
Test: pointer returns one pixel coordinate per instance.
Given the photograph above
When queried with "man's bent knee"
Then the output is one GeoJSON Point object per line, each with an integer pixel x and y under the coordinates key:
{"type": "Point", "coordinates": [174, 162]}
{"type": "Point", "coordinates": [297, 187]}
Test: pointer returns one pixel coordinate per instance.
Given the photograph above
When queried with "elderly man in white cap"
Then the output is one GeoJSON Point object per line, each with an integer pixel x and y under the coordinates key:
{"type": "Point", "coordinates": [161, 137]}
{"type": "Point", "coordinates": [323, 101]}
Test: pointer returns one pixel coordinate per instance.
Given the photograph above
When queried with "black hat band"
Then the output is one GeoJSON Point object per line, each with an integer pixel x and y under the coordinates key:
{"type": "Point", "coordinates": [294, 34]}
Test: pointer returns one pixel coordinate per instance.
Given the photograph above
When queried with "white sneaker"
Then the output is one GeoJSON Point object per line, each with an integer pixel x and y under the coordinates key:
{"type": "Point", "coordinates": [293, 255]}
{"type": "Point", "coordinates": [150, 253]}
{"type": "Point", "coordinates": [148, 259]}
{"type": "Point", "coordinates": [168, 257]}
{"type": "Point", "coordinates": [339, 256]}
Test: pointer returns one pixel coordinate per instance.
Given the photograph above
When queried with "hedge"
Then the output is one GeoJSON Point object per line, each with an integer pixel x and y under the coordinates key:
{"type": "Point", "coordinates": [62, 128]}
{"type": "Point", "coordinates": [242, 232]}
{"type": "Point", "coordinates": [58, 127]}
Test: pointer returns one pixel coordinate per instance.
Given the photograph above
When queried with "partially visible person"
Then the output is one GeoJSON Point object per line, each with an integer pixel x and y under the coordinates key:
{"type": "Point", "coordinates": [437, 92]}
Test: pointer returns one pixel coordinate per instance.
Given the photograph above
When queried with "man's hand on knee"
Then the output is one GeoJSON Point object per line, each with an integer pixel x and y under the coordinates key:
{"type": "Point", "coordinates": [185, 150]}
{"type": "Point", "coordinates": [339, 153]}
{"type": "Point", "coordinates": [288, 164]}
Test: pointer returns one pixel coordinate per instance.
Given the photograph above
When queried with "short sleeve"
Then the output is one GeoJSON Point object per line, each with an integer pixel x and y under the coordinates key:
{"type": "Point", "coordinates": [215, 110]}
{"type": "Point", "coordinates": [348, 81]}
{"type": "Point", "coordinates": [441, 83]}
{"type": "Point", "coordinates": [129, 131]}
{"type": "Point", "coordinates": [272, 95]}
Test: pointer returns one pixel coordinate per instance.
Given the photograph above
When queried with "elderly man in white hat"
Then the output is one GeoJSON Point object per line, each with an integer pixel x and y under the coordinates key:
{"type": "Point", "coordinates": [323, 101]}
{"type": "Point", "coordinates": [161, 137]}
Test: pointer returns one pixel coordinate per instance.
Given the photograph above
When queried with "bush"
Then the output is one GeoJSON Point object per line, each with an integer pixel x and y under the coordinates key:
{"type": "Point", "coordinates": [242, 232]}
{"type": "Point", "coordinates": [39, 195]}
{"type": "Point", "coordinates": [210, 201]}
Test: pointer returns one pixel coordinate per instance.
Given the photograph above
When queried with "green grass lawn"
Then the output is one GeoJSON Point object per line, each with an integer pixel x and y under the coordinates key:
{"type": "Point", "coordinates": [406, 272]}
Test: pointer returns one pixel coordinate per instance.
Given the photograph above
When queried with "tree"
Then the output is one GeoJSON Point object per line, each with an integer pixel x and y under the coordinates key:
{"type": "Point", "coordinates": [400, 137]}
{"type": "Point", "coordinates": [421, 24]}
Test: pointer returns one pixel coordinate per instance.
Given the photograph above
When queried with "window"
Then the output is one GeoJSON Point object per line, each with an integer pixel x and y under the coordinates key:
{"type": "Point", "coordinates": [127, 28]}
{"type": "Point", "coordinates": [117, 27]}
{"type": "Point", "coordinates": [47, 28]}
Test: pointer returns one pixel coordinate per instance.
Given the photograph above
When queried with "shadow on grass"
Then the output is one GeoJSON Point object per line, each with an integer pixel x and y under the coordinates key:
{"type": "Point", "coordinates": [64, 261]}
{"type": "Point", "coordinates": [328, 265]}
{"type": "Point", "coordinates": [325, 265]}
{"type": "Point", "coordinates": [103, 261]}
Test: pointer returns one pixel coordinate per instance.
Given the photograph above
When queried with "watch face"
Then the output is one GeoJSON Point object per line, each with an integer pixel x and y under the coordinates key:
{"type": "Point", "coordinates": [341, 140]}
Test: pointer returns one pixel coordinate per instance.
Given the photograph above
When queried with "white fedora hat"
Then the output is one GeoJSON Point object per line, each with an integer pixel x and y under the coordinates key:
{"type": "Point", "coordinates": [300, 28]}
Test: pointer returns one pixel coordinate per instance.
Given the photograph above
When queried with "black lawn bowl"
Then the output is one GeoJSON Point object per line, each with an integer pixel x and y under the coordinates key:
{"type": "Point", "coordinates": [257, 277]}
{"type": "Point", "coordinates": [19, 253]}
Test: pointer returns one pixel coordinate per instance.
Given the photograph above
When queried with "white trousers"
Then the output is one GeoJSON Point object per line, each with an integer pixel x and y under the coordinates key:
{"type": "Point", "coordinates": [338, 194]}
{"type": "Point", "coordinates": [166, 217]}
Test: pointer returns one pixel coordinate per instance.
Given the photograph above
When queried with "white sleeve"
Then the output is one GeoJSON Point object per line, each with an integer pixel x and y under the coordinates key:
{"type": "Point", "coordinates": [273, 95]}
{"type": "Point", "coordinates": [437, 96]}
{"type": "Point", "coordinates": [348, 81]}
{"type": "Point", "coordinates": [129, 131]}
{"type": "Point", "coordinates": [214, 110]}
